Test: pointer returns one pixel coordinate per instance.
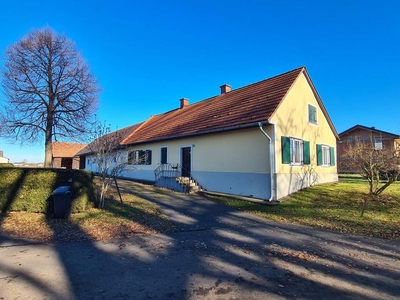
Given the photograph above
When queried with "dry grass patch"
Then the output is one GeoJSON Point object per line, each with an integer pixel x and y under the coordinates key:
{"type": "Point", "coordinates": [118, 220]}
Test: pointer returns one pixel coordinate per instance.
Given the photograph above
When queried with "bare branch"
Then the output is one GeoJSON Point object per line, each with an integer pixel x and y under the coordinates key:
{"type": "Point", "coordinates": [380, 166]}
{"type": "Point", "coordinates": [107, 155]}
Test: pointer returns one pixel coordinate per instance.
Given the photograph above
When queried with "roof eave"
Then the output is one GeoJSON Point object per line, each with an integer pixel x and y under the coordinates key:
{"type": "Point", "coordinates": [369, 128]}
{"type": "Point", "coordinates": [204, 132]}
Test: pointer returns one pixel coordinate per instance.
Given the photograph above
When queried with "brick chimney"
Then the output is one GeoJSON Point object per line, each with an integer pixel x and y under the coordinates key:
{"type": "Point", "coordinates": [184, 102]}
{"type": "Point", "coordinates": [225, 88]}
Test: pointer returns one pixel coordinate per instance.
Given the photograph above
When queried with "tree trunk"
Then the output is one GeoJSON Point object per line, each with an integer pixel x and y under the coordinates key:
{"type": "Point", "coordinates": [48, 157]}
{"type": "Point", "coordinates": [48, 150]}
{"type": "Point", "coordinates": [363, 208]}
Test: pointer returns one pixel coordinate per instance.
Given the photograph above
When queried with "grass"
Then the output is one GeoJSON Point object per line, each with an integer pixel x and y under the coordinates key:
{"type": "Point", "coordinates": [118, 220]}
{"type": "Point", "coordinates": [334, 206]}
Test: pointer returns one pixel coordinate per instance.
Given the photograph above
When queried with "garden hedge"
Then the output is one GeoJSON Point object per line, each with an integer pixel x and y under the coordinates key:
{"type": "Point", "coordinates": [29, 189]}
{"type": "Point", "coordinates": [6, 165]}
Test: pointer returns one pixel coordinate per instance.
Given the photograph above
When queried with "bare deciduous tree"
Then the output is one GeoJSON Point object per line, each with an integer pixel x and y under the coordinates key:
{"type": "Point", "coordinates": [379, 165]}
{"type": "Point", "coordinates": [106, 155]}
{"type": "Point", "coordinates": [49, 90]}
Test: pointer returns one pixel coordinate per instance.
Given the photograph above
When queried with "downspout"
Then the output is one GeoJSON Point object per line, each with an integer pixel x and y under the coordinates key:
{"type": "Point", "coordinates": [270, 158]}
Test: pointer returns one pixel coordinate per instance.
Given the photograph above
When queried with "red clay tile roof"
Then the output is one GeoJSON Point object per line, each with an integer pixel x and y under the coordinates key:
{"type": "Point", "coordinates": [61, 149]}
{"type": "Point", "coordinates": [241, 107]}
{"type": "Point", "coordinates": [123, 133]}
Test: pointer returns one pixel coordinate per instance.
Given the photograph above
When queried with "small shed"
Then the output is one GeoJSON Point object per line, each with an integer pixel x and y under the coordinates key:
{"type": "Point", "coordinates": [64, 155]}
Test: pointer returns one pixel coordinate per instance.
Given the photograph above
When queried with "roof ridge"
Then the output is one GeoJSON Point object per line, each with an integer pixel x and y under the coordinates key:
{"type": "Point", "coordinates": [263, 80]}
{"type": "Point", "coordinates": [248, 104]}
{"type": "Point", "coordinates": [234, 90]}
{"type": "Point", "coordinates": [372, 128]}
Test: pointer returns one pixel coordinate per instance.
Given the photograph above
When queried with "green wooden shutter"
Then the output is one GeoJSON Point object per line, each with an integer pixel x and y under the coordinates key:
{"type": "Point", "coordinates": [332, 150]}
{"type": "Point", "coordinates": [285, 150]}
{"type": "Point", "coordinates": [312, 114]}
{"type": "Point", "coordinates": [319, 155]}
{"type": "Point", "coordinates": [306, 152]}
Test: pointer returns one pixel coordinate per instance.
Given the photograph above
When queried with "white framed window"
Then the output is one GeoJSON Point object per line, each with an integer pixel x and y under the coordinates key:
{"type": "Point", "coordinates": [326, 155]}
{"type": "Point", "coordinates": [296, 151]}
{"type": "Point", "coordinates": [139, 157]}
{"type": "Point", "coordinates": [378, 144]}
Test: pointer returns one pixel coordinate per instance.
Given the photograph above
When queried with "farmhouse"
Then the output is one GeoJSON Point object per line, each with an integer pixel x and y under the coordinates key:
{"type": "Point", "coordinates": [265, 140]}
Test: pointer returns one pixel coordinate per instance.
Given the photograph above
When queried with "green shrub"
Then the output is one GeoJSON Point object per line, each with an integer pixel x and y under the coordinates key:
{"type": "Point", "coordinates": [29, 189]}
{"type": "Point", "coordinates": [6, 165]}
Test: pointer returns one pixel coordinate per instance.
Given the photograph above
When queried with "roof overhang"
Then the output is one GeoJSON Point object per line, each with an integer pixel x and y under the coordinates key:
{"type": "Point", "coordinates": [199, 133]}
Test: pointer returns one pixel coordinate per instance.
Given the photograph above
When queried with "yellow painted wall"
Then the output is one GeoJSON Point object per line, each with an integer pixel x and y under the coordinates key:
{"type": "Point", "coordinates": [235, 151]}
{"type": "Point", "coordinates": [291, 120]}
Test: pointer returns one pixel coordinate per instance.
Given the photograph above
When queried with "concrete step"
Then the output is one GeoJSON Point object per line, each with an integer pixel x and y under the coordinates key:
{"type": "Point", "coordinates": [190, 184]}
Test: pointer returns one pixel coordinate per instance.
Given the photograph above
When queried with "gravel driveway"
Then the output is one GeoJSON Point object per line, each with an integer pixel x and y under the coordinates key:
{"type": "Point", "coordinates": [215, 253]}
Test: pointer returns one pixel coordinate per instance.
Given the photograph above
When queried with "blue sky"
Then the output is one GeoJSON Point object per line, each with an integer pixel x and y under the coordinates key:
{"type": "Point", "coordinates": [149, 54]}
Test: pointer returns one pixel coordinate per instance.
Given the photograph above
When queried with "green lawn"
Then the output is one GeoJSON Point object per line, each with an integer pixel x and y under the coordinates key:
{"type": "Point", "coordinates": [335, 206]}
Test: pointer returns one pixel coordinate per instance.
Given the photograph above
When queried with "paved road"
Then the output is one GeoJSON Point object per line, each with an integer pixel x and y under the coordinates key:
{"type": "Point", "coordinates": [215, 253]}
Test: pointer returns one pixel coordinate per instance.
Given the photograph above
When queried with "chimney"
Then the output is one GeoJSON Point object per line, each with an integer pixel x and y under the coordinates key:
{"type": "Point", "coordinates": [225, 88]}
{"type": "Point", "coordinates": [184, 102]}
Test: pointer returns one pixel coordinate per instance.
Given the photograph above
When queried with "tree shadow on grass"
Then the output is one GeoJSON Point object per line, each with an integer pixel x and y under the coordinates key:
{"type": "Point", "coordinates": [219, 253]}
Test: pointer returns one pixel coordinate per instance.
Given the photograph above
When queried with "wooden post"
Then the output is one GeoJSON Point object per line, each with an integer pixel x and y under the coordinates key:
{"type": "Point", "coordinates": [116, 184]}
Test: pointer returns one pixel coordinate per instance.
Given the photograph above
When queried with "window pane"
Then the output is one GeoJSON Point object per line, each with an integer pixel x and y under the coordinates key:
{"type": "Point", "coordinates": [297, 158]}
{"type": "Point", "coordinates": [326, 156]}
{"type": "Point", "coordinates": [378, 144]}
{"type": "Point", "coordinates": [296, 151]}
{"type": "Point", "coordinates": [130, 157]}
{"type": "Point", "coordinates": [148, 157]}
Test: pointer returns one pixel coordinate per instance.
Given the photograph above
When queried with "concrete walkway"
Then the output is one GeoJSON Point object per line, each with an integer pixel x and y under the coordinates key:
{"type": "Point", "coordinates": [215, 253]}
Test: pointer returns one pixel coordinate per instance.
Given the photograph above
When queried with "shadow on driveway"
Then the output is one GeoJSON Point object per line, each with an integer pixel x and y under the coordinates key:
{"type": "Point", "coordinates": [215, 253]}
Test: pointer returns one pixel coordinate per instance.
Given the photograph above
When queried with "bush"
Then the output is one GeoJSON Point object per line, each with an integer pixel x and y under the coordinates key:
{"type": "Point", "coordinates": [29, 189]}
{"type": "Point", "coordinates": [6, 165]}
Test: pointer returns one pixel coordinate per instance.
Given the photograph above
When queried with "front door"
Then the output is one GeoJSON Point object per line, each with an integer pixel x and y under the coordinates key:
{"type": "Point", "coordinates": [186, 161]}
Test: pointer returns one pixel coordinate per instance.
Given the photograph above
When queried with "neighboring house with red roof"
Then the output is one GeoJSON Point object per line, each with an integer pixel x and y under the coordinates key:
{"type": "Point", "coordinates": [265, 140]}
{"type": "Point", "coordinates": [379, 139]}
{"type": "Point", "coordinates": [65, 155]}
